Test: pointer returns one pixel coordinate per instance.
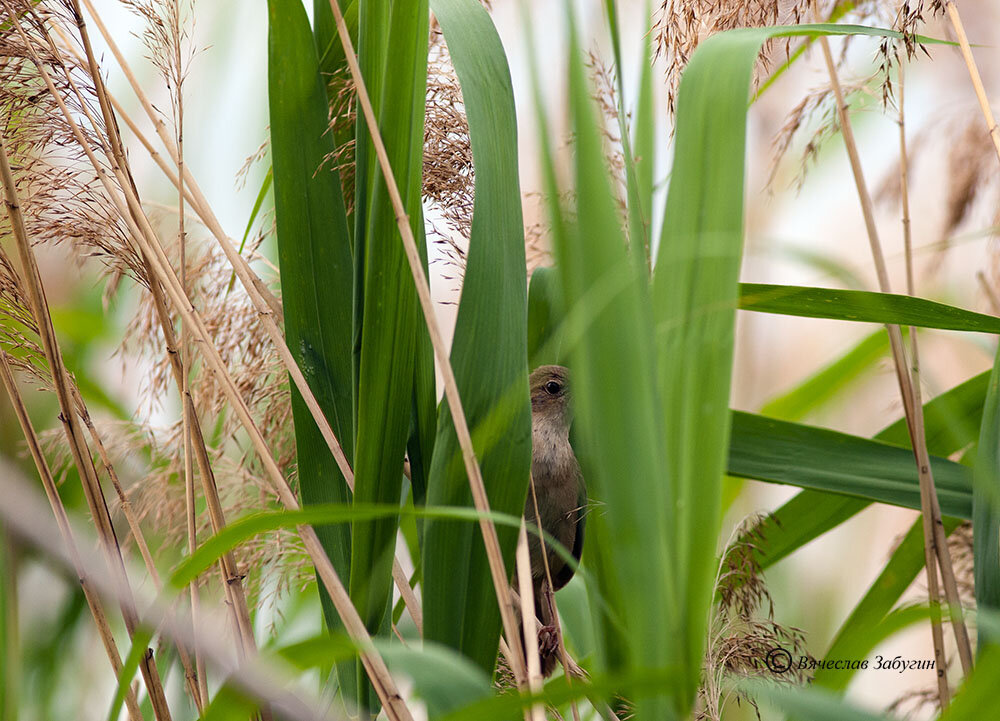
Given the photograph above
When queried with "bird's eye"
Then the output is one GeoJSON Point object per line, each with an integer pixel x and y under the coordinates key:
{"type": "Point", "coordinates": [553, 388]}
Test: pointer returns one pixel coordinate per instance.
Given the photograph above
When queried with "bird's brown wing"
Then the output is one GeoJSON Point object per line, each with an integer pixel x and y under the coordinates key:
{"type": "Point", "coordinates": [566, 572]}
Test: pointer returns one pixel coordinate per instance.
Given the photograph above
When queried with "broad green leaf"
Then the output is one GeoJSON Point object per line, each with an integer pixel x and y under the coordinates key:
{"type": "Point", "coordinates": [827, 383]}
{"type": "Point", "coordinates": [489, 353]}
{"type": "Point", "coordinates": [387, 314]}
{"type": "Point", "coordinates": [442, 679]}
{"type": "Point", "coordinates": [544, 318]}
{"type": "Point", "coordinates": [986, 506]}
{"type": "Point", "coordinates": [314, 252]}
{"type": "Point", "coordinates": [780, 452]}
{"type": "Point", "coordinates": [872, 620]}
{"type": "Point", "coordinates": [695, 302]}
{"type": "Point", "coordinates": [618, 422]}
{"type": "Point", "coordinates": [860, 305]}
{"type": "Point", "coordinates": [695, 291]}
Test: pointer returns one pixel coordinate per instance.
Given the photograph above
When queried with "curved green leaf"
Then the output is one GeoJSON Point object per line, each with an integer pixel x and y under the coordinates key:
{"type": "Point", "coordinates": [951, 422]}
{"type": "Point", "coordinates": [393, 41]}
{"type": "Point", "coordinates": [314, 252]}
{"type": "Point", "coordinates": [863, 306]}
{"type": "Point", "coordinates": [489, 353]}
{"type": "Point", "coordinates": [780, 452]}
{"type": "Point", "coordinates": [618, 422]}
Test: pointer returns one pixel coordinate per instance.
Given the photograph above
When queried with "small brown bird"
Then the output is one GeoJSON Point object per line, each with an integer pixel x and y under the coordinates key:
{"type": "Point", "coordinates": [560, 493]}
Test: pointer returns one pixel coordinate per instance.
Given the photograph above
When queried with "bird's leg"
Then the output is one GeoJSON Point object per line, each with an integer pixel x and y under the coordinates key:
{"type": "Point", "coordinates": [548, 634]}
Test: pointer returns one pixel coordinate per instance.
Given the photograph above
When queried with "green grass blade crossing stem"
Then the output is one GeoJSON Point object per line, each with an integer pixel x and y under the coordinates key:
{"type": "Point", "coordinates": [489, 353]}
{"type": "Point", "coordinates": [393, 53]}
{"type": "Point", "coordinates": [314, 251]}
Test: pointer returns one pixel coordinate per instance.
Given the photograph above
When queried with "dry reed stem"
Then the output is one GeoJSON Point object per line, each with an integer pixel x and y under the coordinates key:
{"type": "Point", "coordinates": [65, 531]}
{"type": "Point", "coordinates": [134, 215]}
{"type": "Point", "coordinates": [409, 597]}
{"type": "Point", "coordinates": [196, 678]}
{"type": "Point", "coordinates": [70, 422]}
{"type": "Point", "coordinates": [928, 493]}
{"type": "Point", "coordinates": [529, 629]}
{"type": "Point", "coordinates": [149, 245]}
{"type": "Point", "coordinates": [259, 679]}
{"type": "Point", "coordinates": [933, 591]}
{"type": "Point", "coordinates": [476, 484]}
{"type": "Point", "coordinates": [246, 276]}
{"type": "Point", "coordinates": [134, 527]}
{"type": "Point", "coordinates": [977, 81]}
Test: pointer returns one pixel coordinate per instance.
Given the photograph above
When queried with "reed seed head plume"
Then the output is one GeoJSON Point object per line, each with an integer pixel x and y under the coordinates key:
{"type": "Point", "coordinates": [742, 630]}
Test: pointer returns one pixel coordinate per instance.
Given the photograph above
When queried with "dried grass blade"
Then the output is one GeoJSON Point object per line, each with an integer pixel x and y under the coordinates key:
{"type": "Point", "coordinates": [529, 627]}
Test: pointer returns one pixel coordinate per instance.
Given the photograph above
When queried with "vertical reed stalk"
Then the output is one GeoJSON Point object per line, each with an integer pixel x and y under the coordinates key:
{"type": "Point", "coordinates": [933, 591]}
{"type": "Point", "coordinates": [197, 678]}
{"type": "Point", "coordinates": [528, 625]}
{"type": "Point", "coordinates": [928, 494]}
{"type": "Point", "coordinates": [257, 293]}
{"type": "Point", "coordinates": [233, 587]}
{"type": "Point", "coordinates": [264, 301]}
{"type": "Point", "coordinates": [568, 665]}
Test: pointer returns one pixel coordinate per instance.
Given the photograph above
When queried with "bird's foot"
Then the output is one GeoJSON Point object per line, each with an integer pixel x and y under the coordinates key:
{"type": "Point", "coordinates": [548, 641]}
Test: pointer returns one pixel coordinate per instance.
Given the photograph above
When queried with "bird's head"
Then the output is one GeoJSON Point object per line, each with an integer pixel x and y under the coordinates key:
{"type": "Point", "coordinates": [550, 396]}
